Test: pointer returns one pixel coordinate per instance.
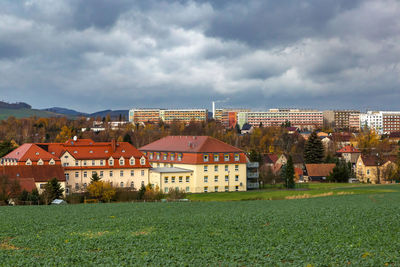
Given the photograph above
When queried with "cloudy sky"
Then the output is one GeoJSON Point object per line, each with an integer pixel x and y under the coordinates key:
{"type": "Point", "coordinates": [98, 54]}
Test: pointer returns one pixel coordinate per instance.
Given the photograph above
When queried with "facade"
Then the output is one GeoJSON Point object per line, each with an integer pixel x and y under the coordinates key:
{"type": "Point", "coordinates": [318, 172]}
{"type": "Point", "coordinates": [167, 115]}
{"type": "Point", "coordinates": [172, 177]}
{"type": "Point", "coordinates": [253, 175]}
{"type": "Point", "coordinates": [228, 116]}
{"type": "Point", "coordinates": [342, 119]}
{"type": "Point", "coordinates": [371, 169]}
{"type": "Point", "coordinates": [302, 119]}
{"type": "Point", "coordinates": [383, 122]}
{"type": "Point", "coordinates": [216, 166]}
{"type": "Point", "coordinates": [349, 154]}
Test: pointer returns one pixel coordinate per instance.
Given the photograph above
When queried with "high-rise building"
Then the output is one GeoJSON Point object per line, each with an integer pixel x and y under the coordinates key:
{"type": "Point", "coordinates": [383, 122]}
{"type": "Point", "coordinates": [167, 115]}
{"type": "Point", "coordinates": [342, 119]}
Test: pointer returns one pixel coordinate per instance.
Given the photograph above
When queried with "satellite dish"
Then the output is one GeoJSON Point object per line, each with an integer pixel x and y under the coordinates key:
{"type": "Point", "coordinates": [75, 138]}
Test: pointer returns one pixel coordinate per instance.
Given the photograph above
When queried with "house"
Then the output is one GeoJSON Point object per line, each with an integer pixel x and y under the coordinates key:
{"type": "Point", "coordinates": [164, 177]}
{"type": "Point", "coordinates": [374, 169]}
{"type": "Point", "coordinates": [246, 128]}
{"type": "Point", "coordinates": [253, 175]}
{"type": "Point", "coordinates": [119, 163]}
{"type": "Point", "coordinates": [34, 176]}
{"type": "Point", "coordinates": [349, 154]}
{"type": "Point", "coordinates": [216, 166]}
{"type": "Point", "coordinates": [319, 172]}
{"type": "Point", "coordinates": [298, 161]}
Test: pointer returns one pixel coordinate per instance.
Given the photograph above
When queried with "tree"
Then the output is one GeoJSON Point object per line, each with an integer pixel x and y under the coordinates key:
{"type": "Point", "coordinates": [340, 173]}
{"type": "Point", "coordinates": [142, 191]}
{"type": "Point", "coordinates": [5, 148]}
{"type": "Point", "coordinates": [313, 150]}
{"type": "Point", "coordinates": [52, 190]}
{"type": "Point", "coordinates": [288, 173]}
{"type": "Point", "coordinates": [95, 178]}
{"type": "Point", "coordinates": [127, 138]}
{"type": "Point", "coordinates": [101, 190]}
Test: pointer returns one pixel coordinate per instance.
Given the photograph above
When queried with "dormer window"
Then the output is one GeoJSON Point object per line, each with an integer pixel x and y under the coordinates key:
{"type": "Point", "coordinates": [157, 155]}
{"type": "Point", "coordinates": [111, 162]}
{"type": "Point", "coordinates": [132, 161]}
{"type": "Point", "coordinates": [216, 157]}
{"type": "Point", "coordinates": [52, 162]}
{"type": "Point", "coordinates": [226, 157]}
{"type": "Point", "coordinates": [28, 162]}
{"type": "Point", "coordinates": [75, 152]}
{"type": "Point", "coordinates": [151, 155]}
{"type": "Point", "coordinates": [165, 155]}
{"type": "Point", "coordinates": [205, 158]}
{"type": "Point", "coordinates": [179, 156]}
{"type": "Point", "coordinates": [142, 161]}
{"type": "Point", "coordinates": [40, 162]}
{"type": "Point", "coordinates": [172, 156]}
{"type": "Point", "coordinates": [37, 153]}
{"type": "Point", "coordinates": [237, 157]}
{"type": "Point", "coordinates": [123, 150]}
{"type": "Point", "coordinates": [121, 161]}
{"type": "Point", "coordinates": [91, 152]}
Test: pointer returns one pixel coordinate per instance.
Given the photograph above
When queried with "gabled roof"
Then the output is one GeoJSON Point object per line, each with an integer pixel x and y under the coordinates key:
{"type": "Point", "coordinates": [191, 144]}
{"type": "Point", "coordinates": [270, 158]}
{"type": "Point", "coordinates": [246, 127]}
{"type": "Point", "coordinates": [348, 149]}
{"type": "Point", "coordinates": [320, 170]}
{"type": "Point", "coordinates": [40, 173]}
{"type": "Point", "coordinates": [30, 151]}
{"type": "Point", "coordinates": [372, 160]}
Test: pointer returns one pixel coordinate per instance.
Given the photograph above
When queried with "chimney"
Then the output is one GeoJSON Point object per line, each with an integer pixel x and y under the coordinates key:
{"type": "Point", "coordinates": [113, 145]}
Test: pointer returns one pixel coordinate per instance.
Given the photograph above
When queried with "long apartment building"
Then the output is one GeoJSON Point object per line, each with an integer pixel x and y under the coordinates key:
{"type": "Point", "coordinates": [167, 115]}
{"type": "Point", "coordinates": [228, 116]}
{"type": "Point", "coordinates": [303, 119]}
{"type": "Point", "coordinates": [196, 164]}
{"type": "Point", "coordinates": [383, 122]}
{"type": "Point", "coordinates": [119, 163]}
{"type": "Point", "coordinates": [342, 119]}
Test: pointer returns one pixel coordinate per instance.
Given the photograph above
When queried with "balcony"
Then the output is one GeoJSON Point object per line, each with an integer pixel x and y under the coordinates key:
{"type": "Point", "coordinates": [253, 174]}
{"type": "Point", "coordinates": [252, 165]}
{"type": "Point", "coordinates": [252, 185]}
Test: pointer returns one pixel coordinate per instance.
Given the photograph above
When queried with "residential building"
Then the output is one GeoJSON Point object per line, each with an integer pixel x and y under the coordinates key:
{"type": "Point", "coordinates": [342, 119]}
{"type": "Point", "coordinates": [167, 115]}
{"type": "Point", "coordinates": [349, 154]}
{"type": "Point", "coordinates": [253, 175]}
{"type": "Point", "coordinates": [228, 116]}
{"type": "Point", "coordinates": [383, 122]}
{"type": "Point", "coordinates": [374, 169]}
{"type": "Point", "coordinates": [302, 119]}
{"type": "Point", "coordinates": [216, 166]}
{"type": "Point", "coordinates": [166, 178]}
{"type": "Point", "coordinates": [318, 172]}
{"type": "Point", "coordinates": [30, 154]}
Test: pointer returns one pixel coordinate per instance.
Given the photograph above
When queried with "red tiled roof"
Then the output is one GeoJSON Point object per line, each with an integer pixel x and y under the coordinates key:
{"type": "Point", "coordinates": [27, 184]}
{"type": "Point", "coordinates": [321, 170]}
{"type": "Point", "coordinates": [193, 144]}
{"type": "Point", "coordinates": [40, 173]}
{"type": "Point", "coordinates": [30, 151]}
{"type": "Point", "coordinates": [270, 158]}
{"type": "Point", "coordinates": [348, 149]}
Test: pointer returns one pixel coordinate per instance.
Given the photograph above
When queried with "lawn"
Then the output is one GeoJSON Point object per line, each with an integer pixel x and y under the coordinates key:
{"type": "Point", "coordinates": [347, 230]}
{"type": "Point", "coordinates": [308, 190]}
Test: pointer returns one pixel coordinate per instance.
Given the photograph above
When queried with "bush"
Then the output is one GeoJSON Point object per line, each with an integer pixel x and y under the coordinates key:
{"type": "Point", "coordinates": [77, 198]}
{"type": "Point", "coordinates": [125, 194]}
{"type": "Point", "coordinates": [175, 193]}
{"type": "Point", "coordinates": [101, 190]}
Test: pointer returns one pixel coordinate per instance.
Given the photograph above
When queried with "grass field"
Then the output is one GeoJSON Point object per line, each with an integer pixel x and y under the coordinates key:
{"type": "Point", "coordinates": [25, 113]}
{"type": "Point", "coordinates": [347, 230]}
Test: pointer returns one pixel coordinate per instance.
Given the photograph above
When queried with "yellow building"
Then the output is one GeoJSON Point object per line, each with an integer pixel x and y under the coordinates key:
{"type": "Point", "coordinates": [167, 115]}
{"type": "Point", "coordinates": [371, 169]}
{"type": "Point", "coordinates": [172, 177]}
{"type": "Point", "coordinates": [214, 165]}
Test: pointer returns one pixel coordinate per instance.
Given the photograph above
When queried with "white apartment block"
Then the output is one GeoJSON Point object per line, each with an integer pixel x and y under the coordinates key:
{"type": "Point", "coordinates": [383, 122]}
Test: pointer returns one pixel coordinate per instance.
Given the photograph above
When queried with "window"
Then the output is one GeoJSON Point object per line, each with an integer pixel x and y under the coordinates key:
{"type": "Point", "coordinates": [101, 163]}
{"type": "Point", "coordinates": [205, 189]}
{"type": "Point", "coordinates": [206, 179]}
{"type": "Point", "coordinates": [101, 173]}
{"type": "Point", "coordinates": [226, 178]}
{"type": "Point", "coordinates": [216, 178]}
{"type": "Point", "coordinates": [132, 173]}
{"type": "Point", "coordinates": [215, 188]}
{"type": "Point", "coordinates": [157, 155]}
{"type": "Point", "coordinates": [121, 162]}
{"type": "Point", "coordinates": [205, 158]}
{"type": "Point", "coordinates": [166, 190]}
{"type": "Point", "coordinates": [76, 163]}
{"type": "Point", "coordinates": [151, 155]}
{"type": "Point", "coordinates": [121, 173]}
{"type": "Point", "coordinates": [132, 161]}
{"type": "Point", "coordinates": [165, 180]}
{"type": "Point", "coordinates": [187, 189]}
{"type": "Point", "coordinates": [226, 168]}
{"type": "Point", "coordinates": [85, 174]}
{"type": "Point", "coordinates": [226, 188]}
{"type": "Point", "coordinates": [237, 157]}
{"type": "Point", "coordinates": [236, 188]}
{"type": "Point", "coordinates": [236, 178]}
{"type": "Point", "coordinates": [76, 186]}
{"type": "Point", "coordinates": [205, 168]}
{"type": "Point", "coordinates": [67, 177]}
{"type": "Point", "coordinates": [172, 156]}
{"type": "Point", "coordinates": [85, 185]}
{"type": "Point", "coordinates": [111, 173]}
{"type": "Point", "coordinates": [93, 173]}
{"type": "Point", "coordinates": [76, 174]}
{"type": "Point", "coordinates": [142, 183]}
{"type": "Point", "coordinates": [93, 162]}
{"type": "Point", "coordinates": [216, 157]}
{"type": "Point", "coordinates": [173, 179]}
{"type": "Point", "coordinates": [142, 172]}
{"type": "Point", "coordinates": [142, 161]}
{"type": "Point", "coordinates": [226, 157]}
{"type": "Point", "coordinates": [180, 179]}
{"type": "Point", "coordinates": [367, 171]}
{"type": "Point", "coordinates": [111, 162]}
{"type": "Point", "coordinates": [121, 184]}
{"type": "Point", "coordinates": [216, 168]}
{"type": "Point", "coordinates": [236, 167]}
{"type": "Point", "coordinates": [84, 163]}
{"type": "Point", "coordinates": [179, 157]}
{"type": "Point", "coordinates": [132, 184]}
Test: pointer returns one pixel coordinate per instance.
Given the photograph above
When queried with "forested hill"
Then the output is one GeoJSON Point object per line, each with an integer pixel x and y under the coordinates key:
{"type": "Point", "coordinates": [18, 105]}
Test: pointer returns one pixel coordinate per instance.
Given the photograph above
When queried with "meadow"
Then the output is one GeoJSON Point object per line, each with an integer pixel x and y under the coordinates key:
{"type": "Point", "coordinates": [338, 230]}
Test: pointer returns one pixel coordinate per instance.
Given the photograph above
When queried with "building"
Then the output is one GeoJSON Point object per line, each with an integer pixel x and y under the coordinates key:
{"type": "Point", "coordinates": [342, 119]}
{"type": "Point", "coordinates": [253, 175]}
{"type": "Point", "coordinates": [228, 116]}
{"type": "Point", "coordinates": [215, 165]}
{"type": "Point", "coordinates": [349, 154]}
{"type": "Point", "coordinates": [167, 115]}
{"type": "Point", "coordinates": [318, 172]}
{"type": "Point", "coordinates": [372, 169]}
{"type": "Point", "coordinates": [302, 119]}
{"type": "Point", "coordinates": [383, 122]}
{"type": "Point", "coordinates": [119, 163]}
{"type": "Point", "coordinates": [171, 177]}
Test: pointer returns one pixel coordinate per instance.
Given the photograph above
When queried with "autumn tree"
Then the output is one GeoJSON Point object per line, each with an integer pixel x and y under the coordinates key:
{"type": "Point", "coordinates": [101, 190]}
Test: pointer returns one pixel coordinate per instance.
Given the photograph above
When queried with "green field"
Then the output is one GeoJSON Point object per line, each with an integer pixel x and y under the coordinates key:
{"type": "Point", "coordinates": [25, 113]}
{"type": "Point", "coordinates": [347, 230]}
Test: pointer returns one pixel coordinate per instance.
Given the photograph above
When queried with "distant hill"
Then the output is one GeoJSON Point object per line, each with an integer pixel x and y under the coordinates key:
{"type": "Point", "coordinates": [26, 113]}
{"type": "Point", "coordinates": [17, 105]}
{"type": "Point", "coordinates": [114, 114]}
{"type": "Point", "coordinates": [65, 111]}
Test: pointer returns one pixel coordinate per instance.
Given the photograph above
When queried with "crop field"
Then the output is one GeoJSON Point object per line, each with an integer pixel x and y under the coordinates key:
{"type": "Point", "coordinates": [345, 230]}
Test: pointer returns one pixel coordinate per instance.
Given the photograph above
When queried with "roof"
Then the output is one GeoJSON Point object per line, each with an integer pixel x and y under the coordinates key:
{"type": "Point", "coordinates": [394, 135]}
{"type": "Point", "coordinates": [27, 184]}
{"type": "Point", "coordinates": [246, 127]}
{"type": "Point", "coordinates": [348, 149]}
{"type": "Point", "coordinates": [321, 170]}
{"type": "Point", "coordinates": [40, 173]}
{"type": "Point", "coordinates": [372, 160]}
{"type": "Point", "coordinates": [270, 158]}
{"type": "Point", "coordinates": [193, 144]}
{"type": "Point", "coordinates": [170, 170]}
{"type": "Point", "coordinates": [298, 171]}
{"type": "Point", "coordinates": [30, 151]}
{"type": "Point", "coordinates": [291, 129]}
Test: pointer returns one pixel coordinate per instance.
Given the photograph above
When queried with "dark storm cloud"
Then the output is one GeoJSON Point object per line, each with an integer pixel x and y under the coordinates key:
{"type": "Point", "coordinates": [253, 53]}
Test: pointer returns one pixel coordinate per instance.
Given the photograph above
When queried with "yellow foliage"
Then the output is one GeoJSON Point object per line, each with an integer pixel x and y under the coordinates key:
{"type": "Point", "coordinates": [101, 190]}
{"type": "Point", "coordinates": [64, 135]}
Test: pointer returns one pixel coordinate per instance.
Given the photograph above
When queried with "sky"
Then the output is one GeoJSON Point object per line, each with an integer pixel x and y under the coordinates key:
{"type": "Point", "coordinates": [92, 55]}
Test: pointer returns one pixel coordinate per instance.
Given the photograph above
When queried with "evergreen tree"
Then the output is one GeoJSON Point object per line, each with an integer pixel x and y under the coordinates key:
{"type": "Point", "coordinates": [95, 178]}
{"type": "Point", "coordinates": [340, 173]}
{"type": "Point", "coordinates": [142, 191]}
{"type": "Point", "coordinates": [313, 150]}
{"type": "Point", "coordinates": [288, 173]}
{"type": "Point", "coordinates": [52, 190]}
